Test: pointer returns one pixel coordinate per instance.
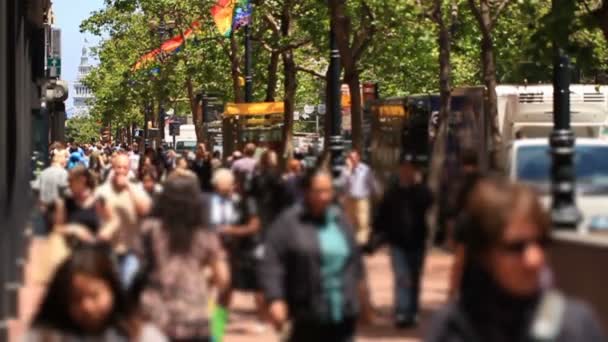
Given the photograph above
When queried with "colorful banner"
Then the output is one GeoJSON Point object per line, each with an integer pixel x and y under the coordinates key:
{"type": "Point", "coordinates": [167, 48]}
{"type": "Point", "coordinates": [222, 13]}
{"type": "Point", "coordinates": [242, 14]}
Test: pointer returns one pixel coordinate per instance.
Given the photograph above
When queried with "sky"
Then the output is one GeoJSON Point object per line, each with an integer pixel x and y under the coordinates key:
{"type": "Point", "coordinates": [68, 16]}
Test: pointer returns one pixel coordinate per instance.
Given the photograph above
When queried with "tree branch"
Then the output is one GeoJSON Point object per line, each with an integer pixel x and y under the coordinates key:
{"type": "Point", "coordinates": [476, 11]}
{"type": "Point", "coordinates": [427, 13]}
{"type": "Point", "coordinates": [273, 23]}
{"type": "Point", "coordinates": [482, 25]}
{"type": "Point", "coordinates": [587, 6]}
{"type": "Point", "coordinates": [267, 46]}
{"type": "Point", "coordinates": [501, 6]}
{"type": "Point", "coordinates": [366, 31]}
{"type": "Point", "coordinates": [293, 46]}
{"type": "Point", "coordinates": [311, 72]}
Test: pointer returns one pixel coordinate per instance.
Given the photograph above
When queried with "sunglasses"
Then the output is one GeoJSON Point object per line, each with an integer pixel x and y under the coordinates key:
{"type": "Point", "coordinates": [519, 247]}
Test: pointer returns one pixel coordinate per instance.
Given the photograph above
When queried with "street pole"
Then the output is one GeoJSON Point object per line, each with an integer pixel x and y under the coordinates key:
{"type": "Point", "coordinates": [205, 115]}
{"type": "Point", "coordinates": [146, 118]}
{"type": "Point", "coordinates": [564, 213]}
{"type": "Point", "coordinates": [334, 106]}
{"type": "Point", "coordinates": [248, 66]}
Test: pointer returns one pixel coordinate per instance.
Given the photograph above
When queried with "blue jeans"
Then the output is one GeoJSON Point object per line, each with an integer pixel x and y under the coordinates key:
{"type": "Point", "coordinates": [407, 270]}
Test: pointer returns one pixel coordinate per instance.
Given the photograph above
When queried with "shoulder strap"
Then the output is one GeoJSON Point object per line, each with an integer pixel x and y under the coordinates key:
{"type": "Point", "coordinates": [548, 319]}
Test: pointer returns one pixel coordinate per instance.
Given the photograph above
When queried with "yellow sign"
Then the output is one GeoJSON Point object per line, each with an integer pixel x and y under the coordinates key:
{"type": "Point", "coordinates": [257, 108]}
{"type": "Point", "coordinates": [262, 122]}
{"type": "Point", "coordinates": [391, 111]}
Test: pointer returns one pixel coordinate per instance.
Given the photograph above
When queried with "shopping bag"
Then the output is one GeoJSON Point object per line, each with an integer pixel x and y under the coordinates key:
{"type": "Point", "coordinates": [219, 320]}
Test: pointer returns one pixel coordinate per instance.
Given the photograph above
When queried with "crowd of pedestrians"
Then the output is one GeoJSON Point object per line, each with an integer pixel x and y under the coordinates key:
{"type": "Point", "coordinates": [160, 241]}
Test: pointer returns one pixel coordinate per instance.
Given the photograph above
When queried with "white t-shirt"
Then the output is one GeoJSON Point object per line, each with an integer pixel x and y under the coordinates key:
{"type": "Point", "coordinates": [134, 160]}
{"type": "Point", "coordinates": [50, 182]}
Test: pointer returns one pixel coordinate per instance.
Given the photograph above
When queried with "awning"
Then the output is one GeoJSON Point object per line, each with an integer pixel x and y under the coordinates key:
{"type": "Point", "coordinates": [257, 108]}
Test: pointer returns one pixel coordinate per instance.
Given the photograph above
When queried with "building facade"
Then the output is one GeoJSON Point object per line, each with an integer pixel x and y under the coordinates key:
{"type": "Point", "coordinates": [22, 46]}
{"type": "Point", "coordinates": [83, 96]}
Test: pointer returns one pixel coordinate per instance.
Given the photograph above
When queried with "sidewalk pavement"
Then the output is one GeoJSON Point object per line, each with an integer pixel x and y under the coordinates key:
{"type": "Point", "coordinates": [434, 294]}
{"type": "Point", "coordinates": [42, 252]}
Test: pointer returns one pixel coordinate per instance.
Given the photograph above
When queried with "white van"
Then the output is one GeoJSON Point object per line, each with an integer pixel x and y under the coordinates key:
{"type": "Point", "coordinates": [186, 133]}
{"type": "Point", "coordinates": [530, 162]}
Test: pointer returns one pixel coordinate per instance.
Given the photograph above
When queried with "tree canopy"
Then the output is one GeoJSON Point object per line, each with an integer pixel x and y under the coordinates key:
{"type": "Point", "coordinates": [390, 42]}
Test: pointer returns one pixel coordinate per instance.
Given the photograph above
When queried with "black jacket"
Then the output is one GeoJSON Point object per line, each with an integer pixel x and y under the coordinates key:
{"type": "Point", "coordinates": [486, 312]}
{"type": "Point", "coordinates": [203, 170]}
{"type": "Point", "coordinates": [271, 196]}
{"type": "Point", "coordinates": [401, 216]}
{"type": "Point", "coordinates": [453, 325]}
{"type": "Point", "coordinates": [290, 269]}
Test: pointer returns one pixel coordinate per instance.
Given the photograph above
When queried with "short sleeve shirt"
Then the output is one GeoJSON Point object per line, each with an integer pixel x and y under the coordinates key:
{"type": "Point", "coordinates": [123, 212]}
{"type": "Point", "coordinates": [50, 182]}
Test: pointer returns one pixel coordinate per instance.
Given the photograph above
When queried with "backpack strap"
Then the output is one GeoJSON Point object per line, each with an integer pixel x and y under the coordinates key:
{"type": "Point", "coordinates": [549, 316]}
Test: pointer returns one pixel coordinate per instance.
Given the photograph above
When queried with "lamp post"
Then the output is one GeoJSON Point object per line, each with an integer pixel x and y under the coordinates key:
{"type": "Point", "coordinates": [248, 66]}
{"type": "Point", "coordinates": [165, 30]}
{"type": "Point", "coordinates": [334, 106]}
{"type": "Point", "coordinates": [564, 213]}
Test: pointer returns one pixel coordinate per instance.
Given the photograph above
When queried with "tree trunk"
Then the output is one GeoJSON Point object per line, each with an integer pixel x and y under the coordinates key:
{"type": "Point", "coordinates": [445, 66]}
{"type": "Point", "coordinates": [289, 67]}
{"type": "Point", "coordinates": [491, 102]}
{"type": "Point", "coordinates": [239, 97]}
{"type": "Point", "coordinates": [349, 57]}
{"type": "Point", "coordinates": [197, 111]}
{"type": "Point", "coordinates": [271, 85]}
{"type": "Point", "coordinates": [129, 135]}
{"type": "Point", "coordinates": [485, 22]}
{"type": "Point", "coordinates": [290, 95]}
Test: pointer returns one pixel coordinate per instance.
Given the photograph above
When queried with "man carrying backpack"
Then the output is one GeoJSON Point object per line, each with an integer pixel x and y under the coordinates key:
{"type": "Point", "coordinates": [401, 222]}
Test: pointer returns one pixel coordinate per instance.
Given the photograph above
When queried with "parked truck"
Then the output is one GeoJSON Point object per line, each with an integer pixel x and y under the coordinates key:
{"type": "Point", "coordinates": [526, 122]}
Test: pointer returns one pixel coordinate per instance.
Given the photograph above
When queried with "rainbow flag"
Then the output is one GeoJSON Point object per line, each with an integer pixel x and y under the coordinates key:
{"type": "Point", "coordinates": [167, 48]}
{"type": "Point", "coordinates": [242, 14]}
{"type": "Point", "coordinates": [223, 12]}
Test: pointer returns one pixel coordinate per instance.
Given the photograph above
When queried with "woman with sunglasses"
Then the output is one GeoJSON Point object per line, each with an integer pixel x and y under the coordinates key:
{"type": "Point", "coordinates": [504, 295]}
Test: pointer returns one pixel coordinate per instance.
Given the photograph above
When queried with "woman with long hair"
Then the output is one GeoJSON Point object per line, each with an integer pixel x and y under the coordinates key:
{"type": "Point", "coordinates": [504, 294]}
{"type": "Point", "coordinates": [178, 249]}
{"type": "Point", "coordinates": [84, 301]}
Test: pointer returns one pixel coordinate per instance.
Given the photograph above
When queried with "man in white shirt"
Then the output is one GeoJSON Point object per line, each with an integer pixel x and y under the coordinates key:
{"type": "Point", "coordinates": [134, 159]}
{"type": "Point", "coordinates": [123, 203]}
{"type": "Point", "coordinates": [359, 188]}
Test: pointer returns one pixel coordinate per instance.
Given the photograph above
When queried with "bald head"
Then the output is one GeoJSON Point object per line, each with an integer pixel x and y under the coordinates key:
{"type": "Point", "coordinates": [223, 181]}
{"type": "Point", "coordinates": [120, 164]}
